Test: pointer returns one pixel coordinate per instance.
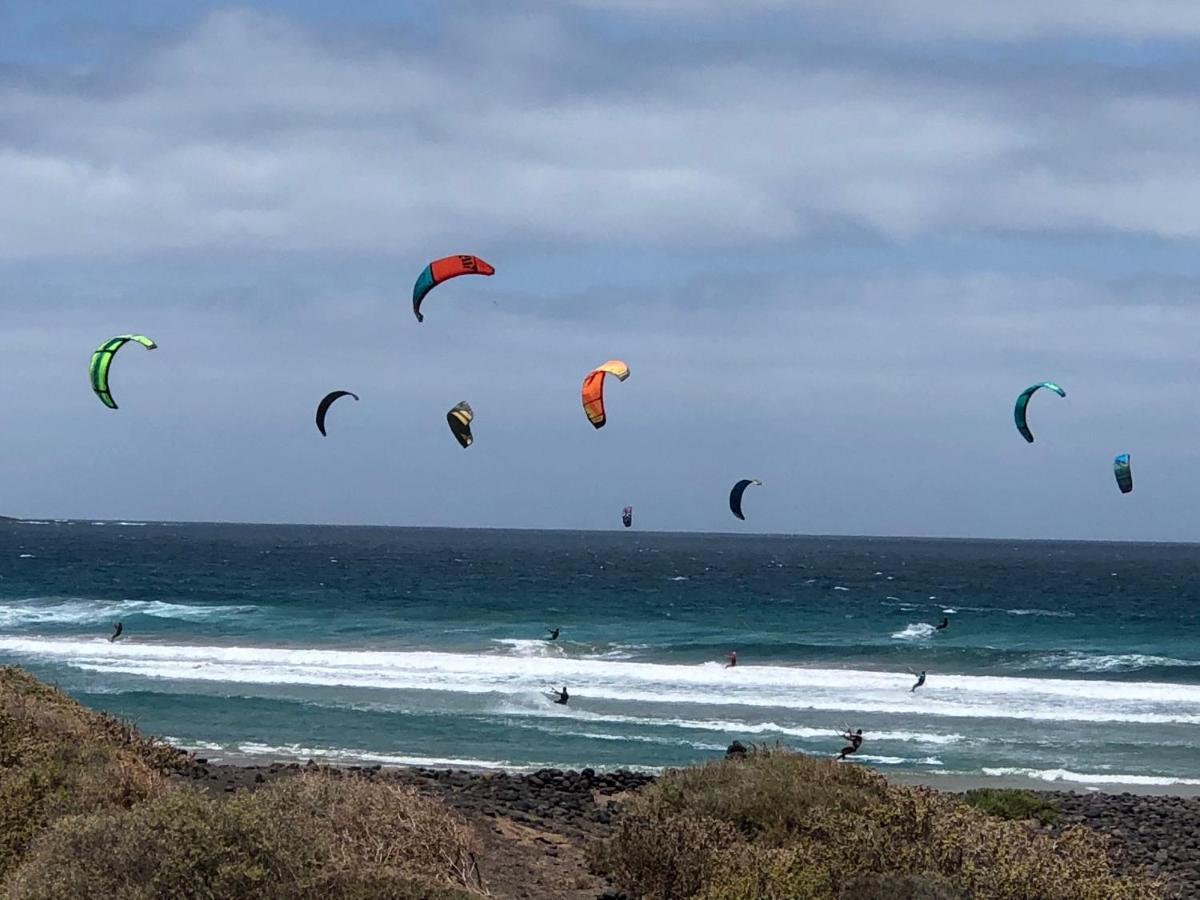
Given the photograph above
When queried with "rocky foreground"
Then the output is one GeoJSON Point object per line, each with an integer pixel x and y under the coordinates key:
{"type": "Point", "coordinates": [1161, 833]}
{"type": "Point", "coordinates": [559, 811]}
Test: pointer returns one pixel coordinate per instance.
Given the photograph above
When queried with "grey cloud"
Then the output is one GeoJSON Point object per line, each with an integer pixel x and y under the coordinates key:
{"type": "Point", "coordinates": [934, 19]}
{"type": "Point", "coordinates": [252, 132]}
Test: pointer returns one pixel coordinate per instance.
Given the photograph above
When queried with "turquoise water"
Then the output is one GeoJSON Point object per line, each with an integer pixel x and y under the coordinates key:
{"type": "Point", "coordinates": [1067, 661]}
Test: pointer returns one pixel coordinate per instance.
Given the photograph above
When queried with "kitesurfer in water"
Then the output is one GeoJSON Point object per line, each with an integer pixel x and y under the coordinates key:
{"type": "Point", "coordinates": [117, 629]}
{"type": "Point", "coordinates": [560, 696]}
{"type": "Point", "coordinates": [553, 634]}
{"type": "Point", "coordinates": [732, 657]}
{"type": "Point", "coordinates": [920, 681]}
{"type": "Point", "coordinates": [945, 623]}
{"type": "Point", "coordinates": [855, 738]}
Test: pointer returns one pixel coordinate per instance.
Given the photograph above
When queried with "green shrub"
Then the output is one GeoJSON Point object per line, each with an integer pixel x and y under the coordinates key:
{"type": "Point", "coordinates": [181, 845]}
{"type": "Point", "coordinates": [798, 827]}
{"type": "Point", "coordinates": [312, 836]}
{"type": "Point", "coordinates": [665, 857]}
{"type": "Point", "coordinates": [767, 795]}
{"type": "Point", "coordinates": [1007, 803]}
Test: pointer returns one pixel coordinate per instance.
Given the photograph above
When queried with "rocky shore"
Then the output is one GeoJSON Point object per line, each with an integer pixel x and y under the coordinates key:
{"type": "Point", "coordinates": [563, 809]}
{"type": "Point", "coordinates": [1160, 833]}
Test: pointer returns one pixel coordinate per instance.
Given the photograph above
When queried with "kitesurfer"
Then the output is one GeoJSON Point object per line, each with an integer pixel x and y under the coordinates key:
{"type": "Point", "coordinates": [855, 738]}
{"type": "Point", "coordinates": [920, 681]}
{"type": "Point", "coordinates": [945, 623]}
{"type": "Point", "coordinates": [117, 629]}
{"type": "Point", "coordinates": [553, 634]}
{"type": "Point", "coordinates": [560, 696]}
{"type": "Point", "coordinates": [732, 657]}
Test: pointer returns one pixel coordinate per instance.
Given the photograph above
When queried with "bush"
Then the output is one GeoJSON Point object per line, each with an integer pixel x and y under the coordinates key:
{"type": "Point", "coordinates": [180, 845]}
{"type": "Point", "coordinates": [768, 795]}
{"type": "Point", "coordinates": [666, 856]}
{"type": "Point", "coordinates": [369, 828]}
{"type": "Point", "coordinates": [58, 758]}
{"type": "Point", "coordinates": [312, 836]}
{"type": "Point", "coordinates": [802, 827]}
{"type": "Point", "coordinates": [1006, 803]}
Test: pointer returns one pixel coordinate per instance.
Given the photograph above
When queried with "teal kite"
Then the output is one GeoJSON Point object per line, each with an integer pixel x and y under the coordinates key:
{"type": "Point", "coordinates": [102, 360]}
{"type": "Point", "coordinates": [1023, 401]}
{"type": "Point", "coordinates": [1123, 472]}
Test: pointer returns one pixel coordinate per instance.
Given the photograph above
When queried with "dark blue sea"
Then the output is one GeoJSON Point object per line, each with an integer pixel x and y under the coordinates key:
{"type": "Point", "coordinates": [1069, 662]}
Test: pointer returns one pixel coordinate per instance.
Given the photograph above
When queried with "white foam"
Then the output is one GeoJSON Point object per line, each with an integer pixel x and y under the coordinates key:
{"type": "Point", "coordinates": [838, 587]}
{"type": "Point", "coordinates": [1089, 778]}
{"type": "Point", "coordinates": [914, 631]}
{"type": "Point", "coordinates": [680, 578]}
{"type": "Point", "coordinates": [82, 611]}
{"type": "Point", "coordinates": [340, 755]}
{"type": "Point", "coordinates": [1073, 661]}
{"type": "Point", "coordinates": [528, 647]}
{"type": "Point", "coordinates": [718, 725]}
{"type": "Point", "coordinates": [26, 556]}
{"type": "Point", "coordinates": [844, 691]}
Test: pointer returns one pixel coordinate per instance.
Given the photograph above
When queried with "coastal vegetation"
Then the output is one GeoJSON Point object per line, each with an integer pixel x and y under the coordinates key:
{"type": "Point", "coordinates": [89, 808]}
{"type": "Point", "coordinates": [774, 825]}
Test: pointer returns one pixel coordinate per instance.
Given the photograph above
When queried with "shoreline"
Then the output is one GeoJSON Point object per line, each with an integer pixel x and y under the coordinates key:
{"type": "Point", "coordinates": [948, 782]}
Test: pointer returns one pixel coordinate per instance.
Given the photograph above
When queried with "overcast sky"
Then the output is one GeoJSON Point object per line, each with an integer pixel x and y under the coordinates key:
{"type": "Point", "coordinates": [832, 240]}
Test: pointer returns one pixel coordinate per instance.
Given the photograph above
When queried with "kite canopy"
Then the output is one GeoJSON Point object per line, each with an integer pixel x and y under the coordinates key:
{"type": "Point", "coordinates": [735, 495]}
{"type": "Point", "coordinates": [102, 360]}
{"type": "Point", "coordinates": [627, 516]}
{"type": "Point", "coordinates": [459, 418]}
{"type": "Point", "coordinates": [443, 270]}
{"type": "Point", "coordinates": [326, 402]}
{"type": "Point", "coordinates": [1023, 401]}
{"type": "Point", "coordinates": [593, 389]}
{"type": "Point", "coordinates": [1123, 472]}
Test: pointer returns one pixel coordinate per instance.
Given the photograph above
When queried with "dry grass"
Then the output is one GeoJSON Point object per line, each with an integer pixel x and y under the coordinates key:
{"type": "Point", "coordinates": [781, 825]}
{"type": "Point", "coordinates": [387, 829]}
{"type": "Point", "coordinates": [312, 836]}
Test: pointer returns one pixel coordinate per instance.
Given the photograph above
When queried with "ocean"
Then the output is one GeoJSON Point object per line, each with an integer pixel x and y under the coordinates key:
{"type": "Point", "coordinates": [1072, 663]}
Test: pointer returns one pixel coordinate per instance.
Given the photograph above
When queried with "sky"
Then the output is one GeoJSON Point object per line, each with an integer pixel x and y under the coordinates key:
{"type": "Point", "coordinates": [833, 242]}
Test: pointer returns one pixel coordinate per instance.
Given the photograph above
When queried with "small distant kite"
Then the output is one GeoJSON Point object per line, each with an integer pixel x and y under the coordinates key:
{"type": "Point", "coordinates": [326, 402]}
{"type": "Point", "coordinates": [1123, 472]}
{"type": "Point", "coordinates": [593, 389]}
{"type": "Point", "coordinates": [443, 270]}
{"type": "Point", "coordinates": [102, 360]}
{"type": "Point", "coordinates": [1023, 401]}
{"type": "Point", "coordinates": [459, 418]}
{"type": "Point", "coordinates": [627, 516]}
{"type": "Point", "coordinates": [735, 495]}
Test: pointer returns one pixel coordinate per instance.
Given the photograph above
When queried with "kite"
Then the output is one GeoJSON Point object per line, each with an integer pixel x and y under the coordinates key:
{"type": "Point", "coordinates": [593, 389]}
{"type": "Point", "coordinates": [460, 417]}
{"type": "Point", "coordinates": [1123, 472]}
{"type": "Point", "coordinates": [326, 402]}
{"type": "Point", "coordinates": [443, 270]}
{"type": "Point", "coordinates": [735, 495]}
{"type": "Point", "coordinates": [102, 359]}
{"type": "Point", "coordinates": [1023, 401]}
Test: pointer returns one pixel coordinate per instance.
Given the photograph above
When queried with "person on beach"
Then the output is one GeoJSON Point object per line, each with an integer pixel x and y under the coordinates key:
{"type": "Point", "coordinates": [920, 681]}
{"type": "Point", "coordinates": [560, 696]}
{"type": "Point", "coordinates": [943, 624]}
{"type": "Point", "coordinates": [553, 634]}
{"type": "Point", "coordinates": [117, 629]}
{"type": "Point", "coordinates": [855, 738]}
{"type": "Point", "coordinates": [732, 657]}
